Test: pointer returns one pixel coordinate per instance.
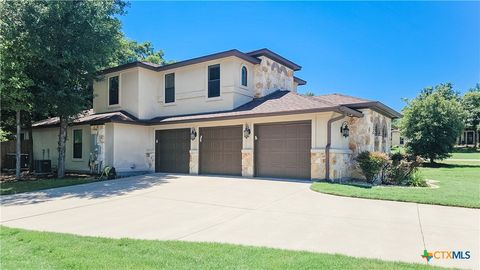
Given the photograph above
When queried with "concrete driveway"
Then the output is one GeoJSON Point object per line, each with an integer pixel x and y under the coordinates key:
{"type": "Point", "coordinates": [278, 214]}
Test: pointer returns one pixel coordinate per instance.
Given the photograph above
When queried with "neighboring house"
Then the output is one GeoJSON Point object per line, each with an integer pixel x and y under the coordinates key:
{"type": "Point", "coordinates": [469, 137]}
{"type": "Point", "coordinates": [229, 113]}
{"type": "Point", "coordinates": [397, 140]}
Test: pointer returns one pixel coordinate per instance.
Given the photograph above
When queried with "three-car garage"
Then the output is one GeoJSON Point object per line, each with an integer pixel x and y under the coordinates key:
{"type": "Point", "coordinates": [281, 150]}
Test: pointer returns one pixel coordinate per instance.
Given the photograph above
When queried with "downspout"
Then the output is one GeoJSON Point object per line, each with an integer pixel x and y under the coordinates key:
{"type": "Point", "coordinates": [329, 142]}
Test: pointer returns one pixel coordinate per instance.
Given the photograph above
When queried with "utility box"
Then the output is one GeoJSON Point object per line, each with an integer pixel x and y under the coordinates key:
{"type": "Point", "coordinates": [43, 166]}
{"type": "Point", "coordinates": [11, 160]}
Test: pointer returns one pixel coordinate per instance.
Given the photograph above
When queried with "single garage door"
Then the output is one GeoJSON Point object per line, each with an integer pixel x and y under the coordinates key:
{"type": "Point", "coordinates": [221, 150]}
{"type": "Point", "coordinates": [283, 150]}
{"type": "Point", "coordinates": [172, 150]}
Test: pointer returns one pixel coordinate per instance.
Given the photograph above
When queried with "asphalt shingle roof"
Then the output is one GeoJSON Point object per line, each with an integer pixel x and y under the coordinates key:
{"type": "Point", "coordinates": [280, 102]}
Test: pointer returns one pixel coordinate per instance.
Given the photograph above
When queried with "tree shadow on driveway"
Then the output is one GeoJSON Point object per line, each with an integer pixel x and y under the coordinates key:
{"type": "Point", "coordinates": [94, 190]}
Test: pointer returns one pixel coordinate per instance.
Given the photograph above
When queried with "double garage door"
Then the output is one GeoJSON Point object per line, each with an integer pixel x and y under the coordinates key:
{"type": "Point", "coordinates": [281, 150]}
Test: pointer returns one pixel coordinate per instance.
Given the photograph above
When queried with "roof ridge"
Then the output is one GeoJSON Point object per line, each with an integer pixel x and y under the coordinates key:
{"type": "Point", "coordinates": [350, 96]}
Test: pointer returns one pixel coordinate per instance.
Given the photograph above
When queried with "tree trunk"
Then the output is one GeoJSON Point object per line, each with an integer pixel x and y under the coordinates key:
{"type": "Point", "coordinates": [18, 148]}
{"type": "Point", "coordinates": [62, 140]}
{"type": "Point", "coordinates": [432, 160]}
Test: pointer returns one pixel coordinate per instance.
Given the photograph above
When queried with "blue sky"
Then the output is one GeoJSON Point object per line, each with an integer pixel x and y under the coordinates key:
{"type": "Point", "coordinates": [382, 51]}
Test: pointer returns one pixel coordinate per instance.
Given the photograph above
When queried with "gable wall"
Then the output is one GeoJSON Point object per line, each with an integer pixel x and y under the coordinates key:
{"type": "Point", "coordinates": [271, 76]}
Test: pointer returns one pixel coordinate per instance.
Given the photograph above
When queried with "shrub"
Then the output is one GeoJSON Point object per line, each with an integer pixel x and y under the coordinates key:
{"type": "Point", "coordinates": [416, 179]}
{"type": "Point", "coordinates": [372, 164]}
{"type": "Point", "coordinates": [400, 168]}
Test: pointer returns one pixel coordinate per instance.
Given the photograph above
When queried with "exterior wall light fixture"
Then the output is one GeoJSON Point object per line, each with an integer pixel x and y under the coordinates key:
{"type": "Point", "coordinates": [193, 134]}
{"type": "Point", "coordinates": [246, 132]}
{"type": "Point", "coordinates": [345, 130]}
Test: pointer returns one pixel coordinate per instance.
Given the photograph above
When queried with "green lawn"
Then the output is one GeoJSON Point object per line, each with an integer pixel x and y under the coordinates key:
{"type": "Point", "coordinates": [21, 249]}
{"type": "Point", "coordinates": [472, 156]}
{"type": "Point", "coordinates": [459, 185]}
{"type": "Point", "coordinates": [12, 187]}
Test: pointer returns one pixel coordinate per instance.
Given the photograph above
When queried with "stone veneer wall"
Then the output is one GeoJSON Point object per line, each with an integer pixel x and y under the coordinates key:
{"type": "Point", "coordinates": [247, 162]}
{"type": "Point", "coordinates": [317, 170]}
{"type": "Point", "coordinates": [363, 138]}
{"type": "Point", "coordinates": [340, 164]}
{"type": "Point", "coordinates": [194, 161]}
{"type": "Point", "coordinates": [271, 76]}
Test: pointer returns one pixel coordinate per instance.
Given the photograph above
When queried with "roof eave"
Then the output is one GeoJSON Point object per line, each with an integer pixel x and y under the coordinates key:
{"type": "Point", "coordinates": [210, 57]}
{"type": "Point", "coordinates": [276, 57]}
{"type": "Point", "coordinates": [340, 109]}
{"type": "Point", "coordinates": [377, 106]}
{"type": "Point", "coordinates": [299, 81]}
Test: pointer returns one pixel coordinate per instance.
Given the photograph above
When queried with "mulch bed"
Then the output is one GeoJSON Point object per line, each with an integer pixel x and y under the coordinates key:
{"type": "Point", "coordinates": [9, 176]}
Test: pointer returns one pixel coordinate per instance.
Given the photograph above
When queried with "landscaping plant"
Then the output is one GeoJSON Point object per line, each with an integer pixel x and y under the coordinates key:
{"type": "Point", "coordinates": [432, 122]}
{"type": "Point", "coordinates": [372, 165]}
{"type": "Point", "coordinates": [416, 179]}
{"type": "Point", "coordinates": [400, 168]}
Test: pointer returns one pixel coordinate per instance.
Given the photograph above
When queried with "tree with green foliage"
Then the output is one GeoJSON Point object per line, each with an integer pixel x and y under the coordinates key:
{"type": "Point", "coordinates": [131, 51]}
{"type": "Point", "coordinates": [72, 41]}
{"type": "Point", "coordinates": [14, 58]}
{"type": "Point", "coordinates": [471, 105]}
{"type": "Point", "coordinates": [432, 122]}
{"type": "Point", "coordinates": [309, 94]}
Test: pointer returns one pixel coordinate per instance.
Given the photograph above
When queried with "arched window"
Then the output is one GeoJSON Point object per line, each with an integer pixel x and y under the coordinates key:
{"type": "Point", "coordinates": [244, 76]}
{"type": "Point", "coordinates": [376, 130]}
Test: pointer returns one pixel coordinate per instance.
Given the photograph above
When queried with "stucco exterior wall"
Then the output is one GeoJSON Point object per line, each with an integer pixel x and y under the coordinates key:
{"type": "Point", "coordinates": [128, 94]}
{"type": "Point", "coordinates": [45, 146]}
{"type": "Point", "coordinates": [142, 90]}
{"type": "Point", "coordinates": [133, 148]}
{"type": "Point", "coordinates": [396, 138]}
{"type": "Point", "coordinates": [271, 76]}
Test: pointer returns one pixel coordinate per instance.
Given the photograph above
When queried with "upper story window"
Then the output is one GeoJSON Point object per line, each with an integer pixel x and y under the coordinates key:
{"type": "Point", "coordinates": [244, 76]}
{"type": "Point", "coordinates": [214, 81]}
{"type": "Point", "coordinates": [170, 88]}
{"type": "Point", "coordinates": [77, 143]}
{"type": "Point", "coordinates": [113, 91]}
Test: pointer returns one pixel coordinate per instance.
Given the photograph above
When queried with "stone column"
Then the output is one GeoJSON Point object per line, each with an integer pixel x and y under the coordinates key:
{"type": "Point", "coordinates": [194, 154]}
{"type": "Point", "coordinates": [247, 151]}
{"type": "Point", "coordinates": [247, 162]}
{"type": "Point", "coordinates": [317, 163]}
{"type": "Point", "coordinates": [194, 161]}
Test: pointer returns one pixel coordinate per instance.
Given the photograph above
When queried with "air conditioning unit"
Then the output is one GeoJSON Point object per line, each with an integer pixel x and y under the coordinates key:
{"type": "Point", "coordinates": [11, 160]}
{"type": "Point", "coordinates": [43, 166]}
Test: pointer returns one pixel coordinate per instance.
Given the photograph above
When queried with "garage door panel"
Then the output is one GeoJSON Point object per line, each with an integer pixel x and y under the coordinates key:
{"type": "Point", "coordinates": [220, 150]}
{"type": "Point", "coordinates": [172, 150]}
{"type": "Point", "coordinates": [283, 150]}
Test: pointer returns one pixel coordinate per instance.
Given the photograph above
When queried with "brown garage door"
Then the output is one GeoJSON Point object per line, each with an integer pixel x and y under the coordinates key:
{"type": "Point", "coordinates": [283, 150]}
{"type": "Point", "coordinates": [221, 150]}
{"type": "Point", "coordinates": [172, 150]}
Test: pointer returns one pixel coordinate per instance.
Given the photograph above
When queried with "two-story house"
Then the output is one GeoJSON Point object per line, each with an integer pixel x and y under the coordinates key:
{"type": "Point", "coordinates": [231, 113]}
